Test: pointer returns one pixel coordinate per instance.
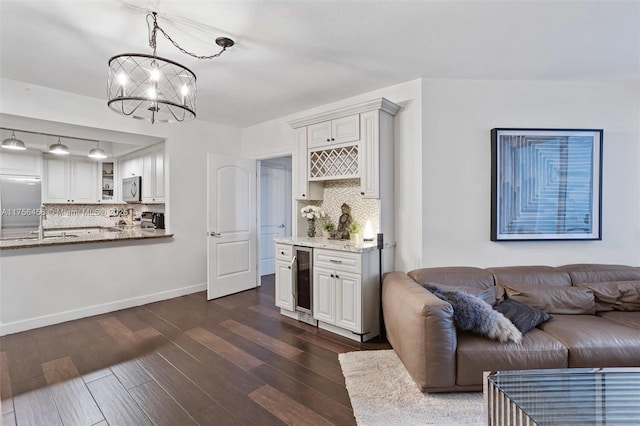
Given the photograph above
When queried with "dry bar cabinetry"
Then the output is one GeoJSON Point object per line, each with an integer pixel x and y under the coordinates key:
{"type": "Point", "coordinates": [346, 288]}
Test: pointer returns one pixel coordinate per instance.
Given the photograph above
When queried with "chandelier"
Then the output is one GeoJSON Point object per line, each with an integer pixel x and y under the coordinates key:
{"type": "Point", "coordinates": [148, 87]}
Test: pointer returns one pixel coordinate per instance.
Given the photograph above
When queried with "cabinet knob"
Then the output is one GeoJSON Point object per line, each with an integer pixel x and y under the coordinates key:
{"type": "Point", "coordinates": [362, 193]}
{"type": "Point", "coordinates": [304, 195]}
{"type": "Point", "coordinates": [332, 139]}
{"type": "Point", "coordinates": [337, 276]}
{"type": "Point", "coordinates": [328, 140]}
{"type": "Point", "coordinates": [289, 267]}
{"type": "Point", "coordinates": [331, 275]}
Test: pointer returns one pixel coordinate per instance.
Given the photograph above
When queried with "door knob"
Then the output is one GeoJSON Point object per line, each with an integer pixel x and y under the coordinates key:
{"type": "Point", "coordinates": [214, 234]}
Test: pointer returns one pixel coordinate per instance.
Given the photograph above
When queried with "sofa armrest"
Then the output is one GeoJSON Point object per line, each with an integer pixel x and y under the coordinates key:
{"type": "Point", "coordinates": [420, 328]}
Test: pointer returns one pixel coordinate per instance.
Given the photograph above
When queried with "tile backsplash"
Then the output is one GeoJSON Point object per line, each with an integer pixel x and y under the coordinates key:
{"type": "Point", "coordinates": [347, 191]}
{"type": "Point", "coordinates": [82, 215]}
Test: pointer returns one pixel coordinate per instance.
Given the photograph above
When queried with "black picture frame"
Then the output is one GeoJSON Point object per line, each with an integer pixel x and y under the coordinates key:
{"type": "Point", "coordinates": [546, 184]}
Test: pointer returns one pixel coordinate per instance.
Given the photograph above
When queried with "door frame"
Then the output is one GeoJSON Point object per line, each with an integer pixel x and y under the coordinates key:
{"type": "Point", "coordinates": [259, 160]}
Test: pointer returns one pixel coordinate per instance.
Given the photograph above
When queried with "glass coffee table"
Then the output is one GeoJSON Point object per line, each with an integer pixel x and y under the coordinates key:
{"type": "Point", "coordinates": [572, 396]}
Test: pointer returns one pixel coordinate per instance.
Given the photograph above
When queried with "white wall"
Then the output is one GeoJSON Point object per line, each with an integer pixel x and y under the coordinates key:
{"type": "Point", "coordinates": [36, 286]}
{"type": "Point", "coordinates": [456, 165]}
{"type": "Point", "coordinates": [277, 137]}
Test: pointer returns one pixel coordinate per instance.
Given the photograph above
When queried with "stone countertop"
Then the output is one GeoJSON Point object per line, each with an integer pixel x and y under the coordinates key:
{"type": "Point", "coordinates": [80, 235]}
{"type": "Point", "coordinates": [319, 242]}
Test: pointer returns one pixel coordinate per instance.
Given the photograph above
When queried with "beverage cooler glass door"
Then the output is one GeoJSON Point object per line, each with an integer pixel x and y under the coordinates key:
{"type": "Point", "coordinates": [304, 279]}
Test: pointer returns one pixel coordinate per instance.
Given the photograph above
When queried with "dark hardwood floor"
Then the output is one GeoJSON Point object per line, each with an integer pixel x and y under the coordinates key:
{"type": "Point", "coordinates": [184, 361]}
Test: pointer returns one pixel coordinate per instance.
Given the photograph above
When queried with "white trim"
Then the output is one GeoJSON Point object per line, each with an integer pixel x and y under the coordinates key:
{"type": "Point", "coordinates": [42, 321]}
{"type": "Point", "coordinates": [376, 104]}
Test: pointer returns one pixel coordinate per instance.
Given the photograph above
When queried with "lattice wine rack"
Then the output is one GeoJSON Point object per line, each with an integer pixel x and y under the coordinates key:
{"type": "Point", "coordinates": [335, 162]}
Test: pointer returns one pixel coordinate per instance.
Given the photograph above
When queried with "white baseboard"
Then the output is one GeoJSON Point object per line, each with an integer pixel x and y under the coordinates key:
{"type": "Point", "coordinates": [42, 321]}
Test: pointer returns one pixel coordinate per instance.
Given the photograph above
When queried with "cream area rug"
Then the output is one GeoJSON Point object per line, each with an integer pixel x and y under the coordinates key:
{"type": "Point", "coordinates": [383, 393]}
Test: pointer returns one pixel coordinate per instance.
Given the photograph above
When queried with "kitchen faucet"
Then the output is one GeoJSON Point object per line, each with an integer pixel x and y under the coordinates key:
{"type": "Point", "coordinates": [41, 218]}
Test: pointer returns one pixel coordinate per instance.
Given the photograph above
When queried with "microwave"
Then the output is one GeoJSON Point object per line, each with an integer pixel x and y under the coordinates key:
{"type": "Point", "coordinates": [132, 189]}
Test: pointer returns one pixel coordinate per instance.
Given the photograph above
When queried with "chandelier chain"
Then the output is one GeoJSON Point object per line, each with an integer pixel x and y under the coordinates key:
{"type": "Point", "coordinates": [153, 44]}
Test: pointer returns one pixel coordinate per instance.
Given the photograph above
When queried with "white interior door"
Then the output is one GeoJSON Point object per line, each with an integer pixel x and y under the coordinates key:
{"type": "Point", "coordinates": [272, 214]}
{"type": "Point", "coordinates": [231, 225]}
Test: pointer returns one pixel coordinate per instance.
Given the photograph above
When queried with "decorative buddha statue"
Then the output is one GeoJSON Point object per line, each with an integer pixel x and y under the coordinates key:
{"type": "Point", "coordinates": [342, 232]}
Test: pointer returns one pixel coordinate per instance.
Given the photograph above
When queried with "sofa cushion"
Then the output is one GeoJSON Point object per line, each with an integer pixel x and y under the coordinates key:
{"type": "Point", "coordinates": [616, 295]}
{"type": "Point", "coordinates": [540, 275]}
{"type": "Point", "coordinates": [476, 354]}
{"type": "Point", "coordinates": [590, 273]}
{"type": "Point", "coordinates": [454, 275]}
{"type": "Point", "coordinates": [471, 313]}
{"type": "Point", "coordinates": [524, 317]}
{"type": "Point", "coordinates": [554, 299]}
{"type": "Point", "coordinates": [491, 295]}
{"type": "Point", "coordinates": [594, 341]}
{"type": "Point", "coordinates": [630, 319]}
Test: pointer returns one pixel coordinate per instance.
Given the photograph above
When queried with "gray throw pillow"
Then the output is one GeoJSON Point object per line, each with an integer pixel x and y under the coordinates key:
{"type": "Point", "coordinates": [473, 314]}
{"type": "Point", "coordinates": [524, 317]}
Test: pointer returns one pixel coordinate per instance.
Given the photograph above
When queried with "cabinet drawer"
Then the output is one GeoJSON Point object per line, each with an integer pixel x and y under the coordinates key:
{"type": "Point", "coordinates": [284, 252]}
{"type": "Point", "coordinates": [337, 260]}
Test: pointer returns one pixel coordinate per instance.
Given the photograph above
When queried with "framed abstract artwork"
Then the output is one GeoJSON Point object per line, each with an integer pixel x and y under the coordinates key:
{"type": "Point", "coordinates": [546, 184]}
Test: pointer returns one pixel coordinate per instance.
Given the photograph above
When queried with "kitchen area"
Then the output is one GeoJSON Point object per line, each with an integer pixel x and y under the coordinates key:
{"type": "Point", "coordinates": [328, 272]}
{"type": "Point", "coordinates": [52, 194]}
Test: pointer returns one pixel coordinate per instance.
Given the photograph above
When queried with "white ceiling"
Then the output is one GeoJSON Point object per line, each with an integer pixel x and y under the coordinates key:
{"type": "Point", "coordinates": [297, 54]}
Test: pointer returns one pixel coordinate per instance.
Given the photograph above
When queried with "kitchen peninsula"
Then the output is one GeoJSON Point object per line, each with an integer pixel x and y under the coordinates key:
{"type": "Point", "coordinates": [66, 236]}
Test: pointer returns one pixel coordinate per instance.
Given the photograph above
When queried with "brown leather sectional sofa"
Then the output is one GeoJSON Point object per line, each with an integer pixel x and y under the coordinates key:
{"type": "Point", "coordinates": [420, 326]}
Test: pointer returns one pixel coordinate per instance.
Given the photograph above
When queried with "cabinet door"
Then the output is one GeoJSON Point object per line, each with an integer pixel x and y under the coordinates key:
{"type": "Point", "coordinates": [324, 295]}
{"type": "Point", "coordinates": [84, 181]}
{"type": "Point", "coordinates": [158, 175]}
{"type": "Point", "coordinates": [345, 129]}
{"type": "Point", "coordinates": [319, 134]}
{"type": "Point", "coordinates": [349, 301]}
{"type": "Point", "coordinates": [55, 180]}
{"type": "Point", "coordinates": [131, 166]}
{"type": "Point", "coordinates": [148, 171]}
{"type": "Point", "coordinates": [369, 161]}
{"type": "Point", "coordinates": [303, 189]}
{"type": "Point", "coordinates": [284, 285]}
{"type": "Point", "coordinates": [25, 163]}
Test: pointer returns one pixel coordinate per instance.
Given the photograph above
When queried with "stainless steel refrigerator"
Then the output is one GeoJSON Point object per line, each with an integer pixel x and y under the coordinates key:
{"type": "Point", "coordinates": [20, 200]}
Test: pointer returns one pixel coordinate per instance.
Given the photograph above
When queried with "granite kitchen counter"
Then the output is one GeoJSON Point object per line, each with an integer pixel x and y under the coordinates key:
{"type": "Point", "coordinates": [319, 242]}
{"type": "Point", "coordinates": [79, 235]}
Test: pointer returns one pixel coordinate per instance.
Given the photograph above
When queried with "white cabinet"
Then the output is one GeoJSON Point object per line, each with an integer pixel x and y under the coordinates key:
{"type": "Point", "coordinates": [21, 163]}
{"type": "Point", "coordinates": [351, 142]}
{"type": "Point", "coordinates": [337, 278]}
{"type": "Point", "coordinates": [148, 163]}
{"type": "Point", "coordinates": [337, 298]}
{"type": "Point", "coordinates": [340, 130]}
{"type": "Point", "coordinates": [131, 166]}
{"type": "Point", "coordinates": [304, 190]}
{"type": "Point", "coordinates": [369, 160]}
{"type": "Point", "coordinates": [284, 277]}
{"type": "Point", "coordinates": [69, 180]}
{"type": "Point", "coordinates": [153, 175]}
{"type": "Point", "coordinates": [345, 292]}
